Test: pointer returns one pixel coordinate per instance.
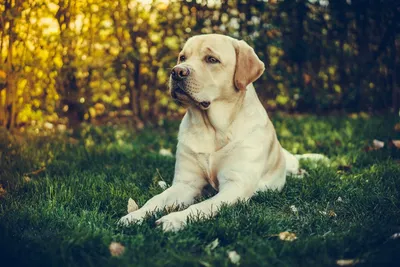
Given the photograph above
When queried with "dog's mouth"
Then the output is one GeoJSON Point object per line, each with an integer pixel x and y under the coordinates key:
{"type": "Point", "coordinates": [181, 96]}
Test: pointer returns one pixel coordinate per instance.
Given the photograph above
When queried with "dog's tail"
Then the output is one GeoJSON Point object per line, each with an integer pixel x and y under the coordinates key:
{"type": "Point", "coordinates": [293, 165]}
{"type": "Point", "coordinates": [311, 156]}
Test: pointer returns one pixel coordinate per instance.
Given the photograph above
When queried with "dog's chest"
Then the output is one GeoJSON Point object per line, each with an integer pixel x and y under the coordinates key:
{"type": "Point", "coordinates": [209, 149]}
{"type": "Point", "coordinates": [207, 163]}
{"type": "Point", "coordinates": [203, 139]}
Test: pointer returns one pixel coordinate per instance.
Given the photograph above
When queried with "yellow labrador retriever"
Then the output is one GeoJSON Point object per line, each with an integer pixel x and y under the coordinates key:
{"type": "Point", "coordinates": [225, 138]}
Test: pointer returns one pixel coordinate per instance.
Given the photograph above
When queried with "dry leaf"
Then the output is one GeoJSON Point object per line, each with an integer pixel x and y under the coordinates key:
{"type": "Point", "coordinates": [347, 262]}
{"type": "Point", "coordinates": [27, 179]}
{"type": "Point", "coordinates": [163, 185]}
{"type": "Point", "coordinates": [165, 152]}
{"type": "Point", "coordinates": [378, 144]}
{"type": "Point", "coordinates": [36, 172]}
{"type": "Point", "coordinates": [3, 192]}
{"type": "Point", "coordinates": [212, 245]}
{"type": "Point", "coordinates": [395, 236]}
{"type": "Point", "coordinates": [396, 143]}
{"type": "Point", "coordinates": [234, 257]}
{"type": "Point", "coordinates": [116, 249]}
{"type": "Point", "coordinates": [132, 206]}
{"type": "Point", "coordinates": [286, 236]}
{"type": "Point", "coordinates": [332, 214]}
{"type": "Point", "coordinates": [397, 127]}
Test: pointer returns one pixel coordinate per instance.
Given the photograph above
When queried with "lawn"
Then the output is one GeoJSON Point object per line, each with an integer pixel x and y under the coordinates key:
{"type": "Point", "coordinates": [66, 213]}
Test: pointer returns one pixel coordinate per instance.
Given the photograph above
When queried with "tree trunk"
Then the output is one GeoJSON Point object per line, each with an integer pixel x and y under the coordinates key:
{"type": "Point", "coordinates": [67, 80]}
{"type": "Point", "coordinates": [137, 89]}
{"type": "Point", "coordinates": [10, 90]}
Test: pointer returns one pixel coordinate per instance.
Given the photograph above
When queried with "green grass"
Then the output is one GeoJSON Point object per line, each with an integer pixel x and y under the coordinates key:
{"type": "Point", "coordinates": [66, 215]}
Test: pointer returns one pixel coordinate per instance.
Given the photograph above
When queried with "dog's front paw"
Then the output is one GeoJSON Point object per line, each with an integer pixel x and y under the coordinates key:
{"type": "Point", "coordinates": [172, 222]}
{"type": "Point", "coordinates": [133, 217]}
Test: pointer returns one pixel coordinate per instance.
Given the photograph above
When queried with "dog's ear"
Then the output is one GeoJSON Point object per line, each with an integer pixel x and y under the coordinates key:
{"type": "Point", "coordinates": [248, 66]}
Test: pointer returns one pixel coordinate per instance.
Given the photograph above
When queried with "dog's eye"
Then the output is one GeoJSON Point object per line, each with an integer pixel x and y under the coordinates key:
{"type": "Point", "coordinates": [212, 60]}
{"type": "Point", "coordinates": [182, 58]}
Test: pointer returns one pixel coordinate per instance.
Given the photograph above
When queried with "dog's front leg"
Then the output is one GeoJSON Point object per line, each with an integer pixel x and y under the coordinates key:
{"type": "Point", "coordinates": [187, 185]}
{"type": "Point", "coordinates": [231, 190]}
{"type": "Point", "coordinates": [178, 194]}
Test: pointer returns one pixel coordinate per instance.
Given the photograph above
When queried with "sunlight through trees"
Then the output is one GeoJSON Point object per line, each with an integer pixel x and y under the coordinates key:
{"type": "Point", "coordinates": [64, 60]}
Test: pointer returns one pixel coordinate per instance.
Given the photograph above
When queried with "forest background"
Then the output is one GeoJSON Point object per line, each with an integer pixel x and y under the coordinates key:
{"type": "Point", "coordinates": [69, 61]}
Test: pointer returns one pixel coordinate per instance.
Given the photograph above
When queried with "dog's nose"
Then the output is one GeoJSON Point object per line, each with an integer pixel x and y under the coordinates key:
{"type": "Point", "coordinates": [179, 73]}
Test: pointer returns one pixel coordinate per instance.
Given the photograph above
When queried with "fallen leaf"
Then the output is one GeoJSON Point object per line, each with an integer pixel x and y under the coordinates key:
{"type": "Point", "coordinates": [132, 206]}
{"type": "Point", "coordinates": [287, 236]}
{"type": "Point", "coordinates": [396, 143]}
{"type": "Point", "coordinates": [212, 245]}
{"type": "Point", "coordinates": [165, 152]}
{"type": "Point", "coordinates": [332, 214]}
{"type": "Point", "coordinates": [116, 249]}
{"type": "Point", "coordinates": [163, 185]}
{"type": "Point", "coordinates": [36, 172]}
{"type": "Point", "coordinates": [397, 127]}
{"type": "Point", "coordinates": [27, 179]}
{"type": "Point", "coordinates": [3, 192]}
{"type": "Point", "coordinates": [234, 257]}
{"type": "Point", "coordinates": [378, 144]}
{"type": "Point", "coordinates": [395, 236]}
{"type": "Point", "coordinates": [347, 262]}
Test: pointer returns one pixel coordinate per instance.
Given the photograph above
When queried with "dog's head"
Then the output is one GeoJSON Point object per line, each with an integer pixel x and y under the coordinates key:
{"type": "Point", "coordinates": [213, 67]}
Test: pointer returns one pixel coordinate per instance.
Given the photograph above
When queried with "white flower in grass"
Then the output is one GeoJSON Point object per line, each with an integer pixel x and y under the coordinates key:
{"type": "Point", "coordinates": [294, 209]}
{"type": "Point", "coordinates": [234, 257]}
{"type": "Point", "coordinates": [395, 236]}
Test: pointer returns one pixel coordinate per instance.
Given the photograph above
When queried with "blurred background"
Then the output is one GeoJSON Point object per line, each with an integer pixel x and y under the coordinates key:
{"type": "Point", "coordinates": [71, 61]}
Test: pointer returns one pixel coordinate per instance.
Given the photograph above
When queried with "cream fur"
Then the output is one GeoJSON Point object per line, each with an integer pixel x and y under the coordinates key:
{"type": "Point", "coordinates": [231, 144]}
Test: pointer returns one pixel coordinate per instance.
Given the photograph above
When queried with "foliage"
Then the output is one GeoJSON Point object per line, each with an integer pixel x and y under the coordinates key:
{"type": "Point", "coordinates": [66, 214]}
{"type": "Point", "coordinates": [76, 59]}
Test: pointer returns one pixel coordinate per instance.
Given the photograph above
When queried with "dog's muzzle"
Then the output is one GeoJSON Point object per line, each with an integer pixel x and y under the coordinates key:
{"type": "Point", "coordinates": [179, 75]}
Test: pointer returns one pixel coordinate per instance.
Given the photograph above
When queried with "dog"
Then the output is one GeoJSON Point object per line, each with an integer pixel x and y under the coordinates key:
{"type": "Point", "coordinates": [225, 139]}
